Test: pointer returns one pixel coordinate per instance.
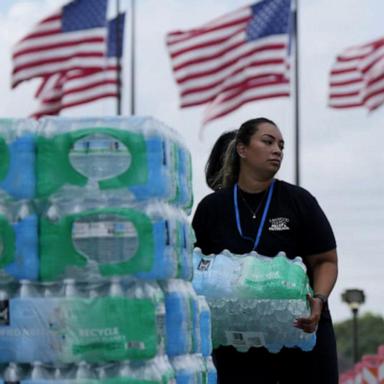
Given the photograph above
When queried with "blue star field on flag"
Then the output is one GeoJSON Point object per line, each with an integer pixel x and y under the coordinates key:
{"type": "Point", "coordinates": [269, 17]}
{"type": "Point", "coordinates": [80, 15]}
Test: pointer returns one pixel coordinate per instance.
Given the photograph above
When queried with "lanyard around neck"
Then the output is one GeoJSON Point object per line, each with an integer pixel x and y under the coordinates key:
{"type": "Point", "coordinates": [265, 212]}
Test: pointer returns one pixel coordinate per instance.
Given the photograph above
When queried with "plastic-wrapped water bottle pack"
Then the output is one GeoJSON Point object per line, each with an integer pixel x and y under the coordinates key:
{"type": "Point", "coordinates": [69, 322]}
{"type": "Point", "coordinates": [194, 369]}
{"type": "Point", "coordinates": [96, 259]}
{"type": "Point", "coordinates": [254, 299]}
{"type": "Point", "coordinates": [250, 276]}
{"type": "Point", "coordinates": [100, 235]}
{"type": "Point", "coordinates": [255, 323]}
{"type": "Point", "coordinates": [137, 160]}
{"type": "Point", "coordinates": [155, 371]}
{"type": "Point", "coordinates": [138, 154]}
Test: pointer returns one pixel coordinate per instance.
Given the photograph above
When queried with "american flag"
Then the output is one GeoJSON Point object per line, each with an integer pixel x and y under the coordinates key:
{"type": "Point", "coordinates": [72, 38]}
{"type": "Point", "coordinates": [240, 57]}
{"type": "Point", "coordinates": [84, 85]}
{"type": "Point", "coordinates": [357, 77]}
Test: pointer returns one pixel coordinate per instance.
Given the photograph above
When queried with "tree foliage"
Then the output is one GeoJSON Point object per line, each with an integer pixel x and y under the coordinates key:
{"type": "Point", "coordinates": [370, 336]}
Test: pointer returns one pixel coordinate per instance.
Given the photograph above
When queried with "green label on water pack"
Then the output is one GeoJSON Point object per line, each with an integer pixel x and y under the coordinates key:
{"type": "Point", "coordinates": [7, 242]}
{"type": "Point", "coordinates": [4, 158]}
{"type": "Point", "coordinates": [63, 150]}
{"type": "Point", "coordinates": [275, 278]}
{"type": "Point", "coordinates": [68, 330]}
{"type": "Point", "coordinates": [124, 238]}
{"type": "Point", "coordinates": [109, 329]}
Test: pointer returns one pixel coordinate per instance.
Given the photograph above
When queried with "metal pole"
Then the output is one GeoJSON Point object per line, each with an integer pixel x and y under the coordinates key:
{"type": "Point", "coordinates": [355, 336]}
{"type": "Point", "coordinates": [118, 58]}
{"type": "Point", "coordinates": [133, 57]}
{"type": "Point", "coordinates": [297, 98]}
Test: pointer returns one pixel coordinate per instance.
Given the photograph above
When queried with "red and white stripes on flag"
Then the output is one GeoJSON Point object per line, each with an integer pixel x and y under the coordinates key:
{"type": "Point", "coordinates": [76, 87]}
{"type": "Point", "coordinates": [218, 64]}
{"type": "Point", "coordinates": [49, 48]}
{"type": "Point", "coordinates": [75, 52]}
{"type": "Point", "coordinates": [357, 77]}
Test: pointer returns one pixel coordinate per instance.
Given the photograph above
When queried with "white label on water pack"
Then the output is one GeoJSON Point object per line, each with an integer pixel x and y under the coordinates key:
{"type": "Point", "coordinates": [103, 229]}
{"type": "Point", "coordinates": [245, 339]}
{"type": "Point", "coordinates": [99, 157]}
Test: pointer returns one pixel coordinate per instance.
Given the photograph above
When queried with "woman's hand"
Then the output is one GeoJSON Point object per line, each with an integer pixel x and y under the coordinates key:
{"type": "Point", "coordinates": [323, 269]}
{"type": "Point", "coordinates": [309, 324]}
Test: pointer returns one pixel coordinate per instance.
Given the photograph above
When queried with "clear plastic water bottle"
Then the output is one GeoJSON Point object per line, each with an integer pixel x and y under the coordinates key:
{"type": "Point", "coordinates": [185, 369]}
{"type": "Point", "coordinates": [53, 212]}
{"type": "Point", "coordinates": [178, 317]}
{"type": "Point", "coordinates": [205, 327]}
{"type": "Point", "coordinates": [195, 308]}
{"type": "Point", "coordinates": [26, 233]}
{"type": "Point", "coordinates": [211, 370]}
{"type": "Point", "coordinates": [27, 289]}
{"type": "Point", "coordinates": [57, 374]}
{"type": "Point", "coordinates": [26, 316]}
{"type": "Point", "coordinates": [70, 288]}
{"type": "Point", "coordinates": [151, 290]}
{"type": "Point", "coordinates": [125, 369]}
{"type": "Point", "coordinates": [164, 257]}
{"type": "Point", "coordinates": [166, 369]}
{"type": "Point", "coordinates": [102, 373]}
{"type": "Point", "coordinates": [13, 374]}
{"type": "Point", "coordinates": [24, 210]}
{"type": "Point", "coordinates": [93, 292]}
{"type": "Point", "coordinates": [201, 369]}
{"type": "Point", "coordinates": [84, 371]}
{"type": "Point", "coordinates": [156, 370]}
{"type": "Point", "coordinates": [149, 297]}
{"type": "Point", "coordinates": [115, 288]}
{"type": "Point", "coordinates": [39, 372]}
{"type": "Point", "coordinates": [51, 290]}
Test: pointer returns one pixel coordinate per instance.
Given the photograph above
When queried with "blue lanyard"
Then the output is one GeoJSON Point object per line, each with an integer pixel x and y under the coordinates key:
{"type": "Point", "coordinates": [265, 212]}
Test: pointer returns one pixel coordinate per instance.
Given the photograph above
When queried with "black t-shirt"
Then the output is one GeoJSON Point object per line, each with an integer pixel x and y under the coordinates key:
{"type": "Point", "coordinates": [295, 223]}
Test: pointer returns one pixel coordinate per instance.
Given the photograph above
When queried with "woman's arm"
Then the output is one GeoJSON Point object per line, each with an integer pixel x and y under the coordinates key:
{"type": "Point", "coordinates": [323, 269]}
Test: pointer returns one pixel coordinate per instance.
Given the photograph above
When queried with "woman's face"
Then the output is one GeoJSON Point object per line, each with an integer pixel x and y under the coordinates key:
{"type": "Point", "coordinates": [264, 153]}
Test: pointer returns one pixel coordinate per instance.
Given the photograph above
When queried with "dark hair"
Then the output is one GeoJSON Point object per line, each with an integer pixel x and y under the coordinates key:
{"type": "Point", "coordinates": [215, 162]}
{"type": "Point", "coordinates": [231, 167]}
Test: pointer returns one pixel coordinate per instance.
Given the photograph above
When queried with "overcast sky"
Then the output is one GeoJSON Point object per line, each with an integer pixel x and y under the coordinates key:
{"type": "Point", "coordinates": [342, 155]}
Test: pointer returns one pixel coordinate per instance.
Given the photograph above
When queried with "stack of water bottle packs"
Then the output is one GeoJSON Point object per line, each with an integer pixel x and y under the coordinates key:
{"type": "Point", "coordinates": [254, 299]}
{"type": "Point", "coordinates": [96, 255]}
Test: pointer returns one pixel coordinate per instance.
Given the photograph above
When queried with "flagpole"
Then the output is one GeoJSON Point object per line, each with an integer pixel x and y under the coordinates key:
{"type": "Point", "coordinates": [297, 94]}
{"type": "Point", "coordinates": [132, 57]}
{"type": "Point", "coordinates": [118, 57]}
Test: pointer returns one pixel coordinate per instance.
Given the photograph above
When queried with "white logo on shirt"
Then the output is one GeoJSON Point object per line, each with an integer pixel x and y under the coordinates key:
{"type": "Point", "coordinates": [279, 224]}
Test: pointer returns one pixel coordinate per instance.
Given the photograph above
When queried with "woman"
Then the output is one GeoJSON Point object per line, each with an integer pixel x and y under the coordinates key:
{"type": "Point", "coordinates": [255, 211]}
{"type": "Point", "coordinates": [216, 160]}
